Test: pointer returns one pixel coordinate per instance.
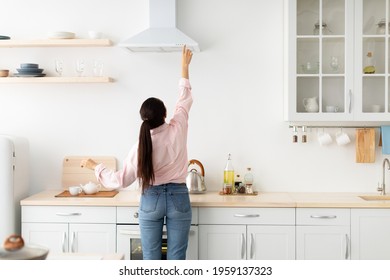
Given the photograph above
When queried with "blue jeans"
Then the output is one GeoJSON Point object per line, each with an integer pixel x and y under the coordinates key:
{"type": "Point", "coordinates": [169, 203]}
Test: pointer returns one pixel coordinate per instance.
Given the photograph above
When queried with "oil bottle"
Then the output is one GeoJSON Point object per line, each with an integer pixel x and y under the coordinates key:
{"type": "Point", "coordinates": [369, 67]}
{"type": "Point", "coordinates": [228, 177]}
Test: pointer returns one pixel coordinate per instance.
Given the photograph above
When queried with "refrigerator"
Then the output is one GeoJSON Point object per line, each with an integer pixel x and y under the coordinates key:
{"type": "Point", "coordinates": [14, 183]}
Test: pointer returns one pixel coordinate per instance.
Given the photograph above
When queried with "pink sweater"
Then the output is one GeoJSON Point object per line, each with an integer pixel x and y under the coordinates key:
{"type": "Point", "coordinates": [170, 159]}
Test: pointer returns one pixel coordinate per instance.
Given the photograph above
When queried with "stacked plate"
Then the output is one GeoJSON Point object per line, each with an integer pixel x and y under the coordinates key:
{"type": "Point", "coordinates": [29, 70]}
{"type": "Point", "coordinates": [61, 35]}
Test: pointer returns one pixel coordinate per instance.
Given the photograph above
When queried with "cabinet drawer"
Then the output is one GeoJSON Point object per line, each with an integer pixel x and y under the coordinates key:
{"type": "Point", "coordinates": [247, 216]}
{"type": "Point", "coordinates": [129, 215]}
{"type": "Point", "coordinates": [323, 216]}
{"type": "Point", "coordinates": [68, 214]}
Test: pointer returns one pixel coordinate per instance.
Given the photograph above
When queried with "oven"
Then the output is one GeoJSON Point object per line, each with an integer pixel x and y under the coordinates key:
{"type": "Point", "coordinates": [129, 239]}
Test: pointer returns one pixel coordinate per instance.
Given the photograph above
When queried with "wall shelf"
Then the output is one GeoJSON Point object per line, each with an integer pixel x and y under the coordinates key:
{"type": "Point", "coordinates": [58, 80]}
{"type": "Point", "coordinates": [55, 43]}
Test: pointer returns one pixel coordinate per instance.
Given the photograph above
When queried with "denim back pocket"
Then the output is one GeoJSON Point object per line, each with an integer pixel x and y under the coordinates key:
{"type": "Point", "coordinates": [181, 201]}
{"type": "Point", "coordinates": [149, 201]}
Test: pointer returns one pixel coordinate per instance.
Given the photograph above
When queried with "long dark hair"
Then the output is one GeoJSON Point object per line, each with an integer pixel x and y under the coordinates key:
{"type": "Point", "coordinates": [153, 113]}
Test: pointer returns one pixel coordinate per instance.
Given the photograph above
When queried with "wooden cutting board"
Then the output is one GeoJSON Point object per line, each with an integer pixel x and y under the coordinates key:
{"type": "Point", "coordinates": [74, 175]}
{"type": "Point", "coordinates": [365, 145]}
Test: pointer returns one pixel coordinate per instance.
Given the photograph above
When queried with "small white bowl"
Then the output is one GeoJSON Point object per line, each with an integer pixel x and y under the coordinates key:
{"type": "Point", "coordinates": [95, 34]}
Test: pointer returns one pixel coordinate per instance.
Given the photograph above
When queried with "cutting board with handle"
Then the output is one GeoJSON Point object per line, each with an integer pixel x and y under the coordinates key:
{"type": "Point", "coordinates": [365, 145]}
{"type": "Point", "coordinates": [74, 175]}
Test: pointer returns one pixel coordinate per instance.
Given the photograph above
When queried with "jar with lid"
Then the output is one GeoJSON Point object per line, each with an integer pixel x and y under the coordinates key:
{"type": "Point", "coordinates": [381, 29]}
{"type": "Point", "coordinates": [228, 177]}
{"type": "Point", "coordinates": [238, 185]}
{"type": "Point", "coordinates": [324, 29]}
{"type": "Point", "coordinates": [248, 181]}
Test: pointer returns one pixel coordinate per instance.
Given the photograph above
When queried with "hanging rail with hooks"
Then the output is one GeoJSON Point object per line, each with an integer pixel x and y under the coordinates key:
{"type": "Point", "coordinates": [333, 126]}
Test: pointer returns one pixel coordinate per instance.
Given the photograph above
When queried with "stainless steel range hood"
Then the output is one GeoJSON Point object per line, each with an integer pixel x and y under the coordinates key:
{"type": "Point", "coordinates": [162, 34]}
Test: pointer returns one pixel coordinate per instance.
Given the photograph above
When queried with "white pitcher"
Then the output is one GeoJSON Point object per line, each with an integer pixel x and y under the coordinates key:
{"type": "Point", "coordinates": [311, 104]}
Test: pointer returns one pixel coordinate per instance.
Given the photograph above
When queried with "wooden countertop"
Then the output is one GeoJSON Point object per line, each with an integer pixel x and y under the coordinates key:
{"type": "Point", "coordinates": [214, 199]}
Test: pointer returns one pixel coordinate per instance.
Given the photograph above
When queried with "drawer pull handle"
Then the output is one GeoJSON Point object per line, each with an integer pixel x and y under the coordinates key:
{"type": "Point", "coordinates": [246, 215]}
{"type": "Point", "coordinates": [68, 214]}
{"type": "Point", "coordinates": [323, 217]}
{"type": "Point", "coordinates": [137, 233]}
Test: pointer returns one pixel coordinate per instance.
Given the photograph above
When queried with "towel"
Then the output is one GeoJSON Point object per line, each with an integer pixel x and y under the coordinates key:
{"type": "Point", "coordinates": [385, 133]}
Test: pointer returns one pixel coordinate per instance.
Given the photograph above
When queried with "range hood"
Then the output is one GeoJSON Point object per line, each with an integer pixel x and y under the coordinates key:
{"type": "Point", "coordinates": [162, 34]}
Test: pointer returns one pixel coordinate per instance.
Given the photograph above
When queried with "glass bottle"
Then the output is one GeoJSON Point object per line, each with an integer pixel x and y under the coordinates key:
{"type": "Point", "coordinates": [228, 177]}
{"type": "Point", "coordinates": [369, 64]}
{"type": "Point", "coordinates": [248, 180]}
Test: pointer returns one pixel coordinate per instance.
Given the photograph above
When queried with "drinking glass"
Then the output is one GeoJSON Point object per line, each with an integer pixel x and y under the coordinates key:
{"type": "Point", "coordinates": [59, 66]}
{"type": "Point", "coordinates": [97, 68]}
{"type": "Point", "coordinates": [80, 67]}
{"type": "Point", "coordinates": [334, 63]}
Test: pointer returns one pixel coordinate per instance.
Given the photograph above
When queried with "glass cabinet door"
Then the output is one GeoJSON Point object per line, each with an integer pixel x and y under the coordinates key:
{"type": "Point", "coordinates": [372, 59]}
{"type": "Point", "coordinates": [320, 36]}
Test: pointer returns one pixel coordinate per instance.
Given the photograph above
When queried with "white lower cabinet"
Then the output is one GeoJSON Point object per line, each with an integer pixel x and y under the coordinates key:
{"type": "Point", "coordinates": [323, 234]}
{"type": "Point", "coordinates": [370, 229]}
{"type": "Point", "coordinates": [246, 233]}
{"type": "Point", "coordinates": [65, 229]}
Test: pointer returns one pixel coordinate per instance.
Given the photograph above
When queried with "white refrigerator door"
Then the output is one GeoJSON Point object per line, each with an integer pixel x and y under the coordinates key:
{"type": "Point", "coordinates": [7, 203]}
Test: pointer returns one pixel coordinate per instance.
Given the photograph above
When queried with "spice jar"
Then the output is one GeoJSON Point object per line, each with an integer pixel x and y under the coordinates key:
{"type": "Point", "coordinates": [295, 134]}
{"type": "Point", "coordinates": [304, 135]}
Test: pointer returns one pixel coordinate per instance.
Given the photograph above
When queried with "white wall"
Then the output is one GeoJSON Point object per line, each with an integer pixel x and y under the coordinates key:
{"type": "Point", "coordinates": [237, 83]}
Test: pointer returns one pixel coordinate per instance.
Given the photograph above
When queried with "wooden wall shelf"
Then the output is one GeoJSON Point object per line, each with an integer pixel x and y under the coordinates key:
{"type": "Point", "coordinates": [58, 80]}
{"type": "Point", "coordinates": [55, 43]}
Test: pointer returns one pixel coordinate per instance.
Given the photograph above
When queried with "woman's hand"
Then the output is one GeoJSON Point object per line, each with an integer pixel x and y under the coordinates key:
{"type": "Point", "coordinates": [88, 163]}
{"type": "Point", "coordinates": [185, 62]}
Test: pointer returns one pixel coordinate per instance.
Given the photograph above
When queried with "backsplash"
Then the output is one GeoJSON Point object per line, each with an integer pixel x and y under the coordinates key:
{"type": "Point", "coordinates": [237, 83]}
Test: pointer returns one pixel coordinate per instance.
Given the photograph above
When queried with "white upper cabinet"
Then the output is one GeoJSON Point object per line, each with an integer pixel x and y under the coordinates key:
{"type": "Point", "coordinates": [372, 38]}
{"type": "Point", "coordinates": [326, 54]}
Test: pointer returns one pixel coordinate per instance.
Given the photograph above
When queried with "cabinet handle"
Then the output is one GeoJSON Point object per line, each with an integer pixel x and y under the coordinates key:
{"type": "Point", "coordinates": [323, 217]}
{"type": "Point", "coordinates": [73, 239]}
{"type": "Point", "coordinates": [246, 215]}
{"type": "Point", "coordinates": [346, 247]}
{"type": "Point", "coordinates": [252, 246]}
{"type": "Point", "coordinates": [350, 101]}
{"type": "Point", "coordinates": [68, 214]}
{"type": "Point", "coordinates": [63, 242]}
{"type": "Point", "coordinates": [137, 233]}
{"type": "Point", "coordinates": [242, 246]}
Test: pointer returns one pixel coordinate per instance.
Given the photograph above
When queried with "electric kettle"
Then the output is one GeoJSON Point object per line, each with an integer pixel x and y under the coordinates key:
{"type": "Point", "coordinates": [195, 180]}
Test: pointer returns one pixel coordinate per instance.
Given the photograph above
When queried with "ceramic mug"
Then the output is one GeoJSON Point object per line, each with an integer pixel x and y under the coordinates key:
{"type": "Point", "coordinates": [342, 138]}
{"type": "Point", "coordinates": [95, 34]}
{"type": "Point", "coordinates": [75, 190]}
{"type": "Point", "coordinates": [375, 108]}
{"type": "Point", "coordinates": [331, 109]}
{"type": "Point", "coordinates": [324, 138]}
